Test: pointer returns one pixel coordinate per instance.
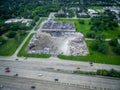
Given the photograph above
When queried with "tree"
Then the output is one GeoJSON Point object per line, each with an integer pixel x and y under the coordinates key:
{"type": "Point", "coordinates": [11, 34]}
{"type": "Point", "coordinates": [81, 21]}
{"type": "Point", "coordinates": [32, 23]}
{"type": "Point", "coordinates": [36, 18]}
{"type": "Point", "coordinates": [103, 48]}
{"type": "Point", "coordinates": [100, 37]}
{"type": "Point", "coordinates": [2, 40]}
{"type": "Point", "coordinates": [106, 21]}
{"type": "Point", "coordinates": [91, 34]}
{"type": "Point", "coordinates": [99, 47]}
{"type": "Point", "coordinates": [94, 45]}
{"type": "Point", "coordinates": [113, 42]}
{"type": "Point", "coordinates": [117, 49]}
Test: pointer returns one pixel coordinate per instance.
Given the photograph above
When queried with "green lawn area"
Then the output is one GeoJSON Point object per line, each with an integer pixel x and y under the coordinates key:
{"type": "Point", "coordinates": [38, 26]}
{"type": "Point", "coordinates": [96, 7]}
{"type": "Point", "coordinates": [10, 46]}
{"type": "Point", "coordinates": [109, 58]}
{"type": "Point", "coordinates": [83, 28]}
{"type": "Point", "coordinates": [25, 54]}
{"type": "Point", "coordinates": [94, 56]}
{"type": "Point", "coordinates": [112, 33]}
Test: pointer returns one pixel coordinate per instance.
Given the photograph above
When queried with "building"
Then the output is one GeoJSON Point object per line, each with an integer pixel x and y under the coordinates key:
{"type": "Point", "coordinates": [92, 13]}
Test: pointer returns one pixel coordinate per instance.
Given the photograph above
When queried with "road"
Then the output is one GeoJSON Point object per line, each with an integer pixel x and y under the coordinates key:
{"type": "Point", "coordinates": [17, 83]}
{"type": "Point", "coordinates": [31, 70]}
{"type": "Point", "coordinates": [54, 62]}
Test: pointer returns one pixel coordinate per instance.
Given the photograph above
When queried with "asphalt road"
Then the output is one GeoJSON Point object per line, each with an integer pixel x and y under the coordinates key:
{"type": "Point", "coordinates": [48, 72]}
{"type": "Point", "coordinates": [17, 83]}
{"type": "Point", "coordinates": [63, 64]}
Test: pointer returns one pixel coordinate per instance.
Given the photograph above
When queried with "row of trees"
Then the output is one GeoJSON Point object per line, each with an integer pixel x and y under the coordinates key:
{"type": "Point", "coordinates": [13, 27]}
{"type": "Point", "coordinates": [100, 2]}
{"type": "Point", "coordinates": [27, 8]}
{"type": "Point", "coordinates": [111, 73]}
{"type": "Point", "coordinates": [101, 46]}
{"type": "Point", "coordinates": [101, 72]}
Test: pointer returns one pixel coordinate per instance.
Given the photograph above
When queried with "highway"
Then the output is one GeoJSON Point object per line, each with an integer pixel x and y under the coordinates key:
{"type": "Point", "coordinates": [48, 72]}
{"type": "Point", "coordinates": [17, 83]}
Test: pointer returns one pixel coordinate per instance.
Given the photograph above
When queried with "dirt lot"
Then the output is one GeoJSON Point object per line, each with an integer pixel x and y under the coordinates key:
{"type": "Point", "coordinates": [43, 43]}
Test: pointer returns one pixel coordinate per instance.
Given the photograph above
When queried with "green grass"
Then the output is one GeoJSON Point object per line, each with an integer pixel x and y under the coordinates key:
{"type": "Point", "coordinates": [112, 33]}
{"type": "Point", "coordinates": [25, 54]}
{"type": "Point", "coordinates": [83, 28]}
{"type": "Point", "coordinates": [96, 7]}
{"type": "Point", "coordinates": [109, 58]}
{"type": "Point", "coordinates": [10, 46]}
{"type": "Point", "coordinates": [37, 27]}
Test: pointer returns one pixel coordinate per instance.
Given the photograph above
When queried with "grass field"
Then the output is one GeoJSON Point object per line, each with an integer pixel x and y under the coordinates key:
{"type": "Point", "coordinates": [109, 58]}
{"type": "Point", "coordinates": [112, 33]}
{"type": "Point", "coordinates": [25, 54]}
{"type": "Point", "coordinates": [96, 7]}
{"type": "Point", "coordinates": [10, 46]}
{"type": "Point", "coordinates": [83, 28]}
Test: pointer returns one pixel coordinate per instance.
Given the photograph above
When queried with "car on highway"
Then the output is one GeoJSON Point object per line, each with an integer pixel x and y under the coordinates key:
{"type": "Point", "coordinates": [7, 69]}
{"type": "Point", "coordinates": [33, 87]}
{"type": "Point", "coordinates": [40, 75]}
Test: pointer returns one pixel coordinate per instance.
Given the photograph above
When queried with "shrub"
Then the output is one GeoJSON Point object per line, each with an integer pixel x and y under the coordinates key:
{"type": "Point", "coordinates": [117, 49]}
{"type": "Point", "coordinates": [11, 34]}
{"type": "Point", "coordinates": [81, 21]}
{"type": "Point", "coordinates": [113, 42]}
{"type": "Point", "coordinates": [101, 72]}
{"type": "Point", "coordinates": [100, 47]}
{"type": "Point", "coordinates": [2, 40]}
{"type": "Point", "coordinates": [91, 34]}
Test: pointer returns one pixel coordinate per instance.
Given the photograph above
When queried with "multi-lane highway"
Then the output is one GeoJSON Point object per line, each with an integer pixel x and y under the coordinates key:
{"type": "Point", "coordinates": [50, 70]}
{"type": "Point", "coordinates": [17, 83]}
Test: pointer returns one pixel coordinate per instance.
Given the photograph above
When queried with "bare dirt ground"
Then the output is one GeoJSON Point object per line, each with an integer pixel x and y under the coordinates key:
{"type": "Point", "coordinates": [66, 45]}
